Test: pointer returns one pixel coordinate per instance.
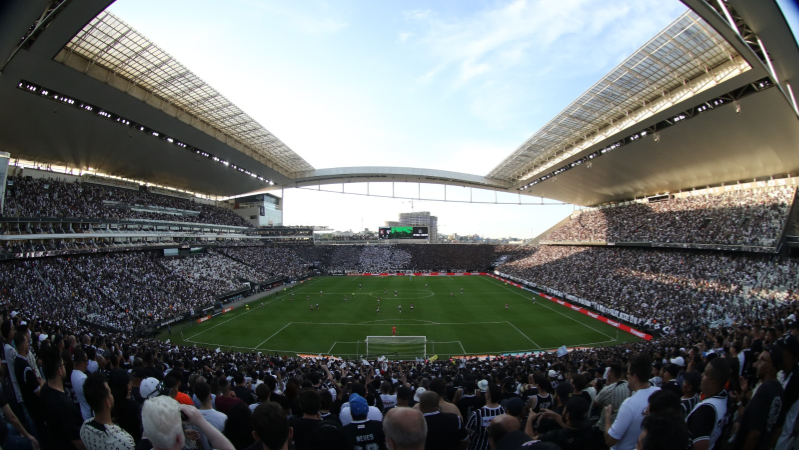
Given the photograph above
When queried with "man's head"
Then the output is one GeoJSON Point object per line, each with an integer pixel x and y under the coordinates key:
{"type": "Point", "coordinates": [576, 412]}
{"type": "Point", "coordinates": [53, 365]}
{"type": "Point", "coordinates": [691, 383]}
{"type": "Point", "coordinates": [263, 393]}
{"type": "Point", "coordinates": [769, 363]}
{"type": "Point", "coordinates": [640, 369]}
{"type": "Point", "coordinates": [79, 359]}
{"type": "Point", "coordinates": [271, 426]}
{"type": "Point", "coordinates": [161, 422]}
{"type": "Point", "coordinates": [405, 429]}
{"type": "Point", "coordinates": [493, 393]}
{"type": "Point", "coordinates": [500, 426]}
{"type": "Point", "coordinates": [714, 376]}
{"type": "Point", "coordinates": [662, 433]}
{"type": "Point", "coordinates": [664, 403]}
{"type": "Point", "coordinates": [97, 393]}
{"type": "Point", "coordinates": [203, 393]}
{"type": "Point", "coordinates": [358, 407]}
{"type": "Point", "coordinates": [21, 342]}
{"type": "Point", "coordinates": [429, 402]}
{"type": "Point", "coordinates": [309, 402]}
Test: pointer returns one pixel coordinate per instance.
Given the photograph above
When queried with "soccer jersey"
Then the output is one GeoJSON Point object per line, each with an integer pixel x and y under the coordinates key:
{"type": "Point", "coordinates": [365, 435]}
{"type": "Point", "coordinates": [479, 425]}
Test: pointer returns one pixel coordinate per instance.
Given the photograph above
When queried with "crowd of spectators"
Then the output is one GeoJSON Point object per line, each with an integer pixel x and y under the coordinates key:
{"type": "Point", "coordinates": [752, 217]}
{"type": "Point", "coordinates": [277, 262]}
{"type": "Point", "coordinates": [659, 394]}
{"type": "Point", "coordinates": [213, 272]}
{"type": "Point", "coordinates": [40, 197]}
{"type": "Point", "coordinates": [670, 288]}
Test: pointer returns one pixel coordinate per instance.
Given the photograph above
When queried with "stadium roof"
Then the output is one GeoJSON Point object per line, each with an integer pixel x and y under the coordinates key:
{"type": "Point", "coordinates": [687, 49]}
{"type": "Point", "coordinates": [84, 64]}
{"type": "Point", "coordinates": [109, 42]}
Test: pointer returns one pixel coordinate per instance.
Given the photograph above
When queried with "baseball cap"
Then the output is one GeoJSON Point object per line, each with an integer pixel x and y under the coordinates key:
{"type": "Point", "coordinates": [358, 405]}
{"type": "Point", "coordinates": [419, 392]}
{"type": "Point", "coordinates": [564, 389]}
{"type": "Point", "coordinates": [150, 388]}
{"type": "Point", "coordinates": [552, 373]}
{"type": "Point", "coordinates": [42, 337]}
{"type": "Point", "coordinates": [483, 385]}
{"type": "Point", "coordinates": [678, 361]}
{"type": "Point", "coordinates": [789, 342]}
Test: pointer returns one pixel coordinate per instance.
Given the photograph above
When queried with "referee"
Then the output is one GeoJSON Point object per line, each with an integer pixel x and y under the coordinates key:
{"type": "Point", "coordinates": [478, 423]}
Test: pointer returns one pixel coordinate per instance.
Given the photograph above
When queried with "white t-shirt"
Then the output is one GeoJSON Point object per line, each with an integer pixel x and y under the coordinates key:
{"type": "Point", "coordinates": [628, 425]}
{"type": "Point", "coordinates": [11, 356]}
{"type": "Point", "coordinates": [345, 417]}
{"type": "Point", "coordinates": [77, 379]}
{"type": "Point", "coordinates": [216, 419]}
{"type": "Point", "coordinates": [389, 401]}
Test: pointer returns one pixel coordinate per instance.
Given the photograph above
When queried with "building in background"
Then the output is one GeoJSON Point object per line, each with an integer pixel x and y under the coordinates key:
{"type": "Point", "coordinates": [422, 219]}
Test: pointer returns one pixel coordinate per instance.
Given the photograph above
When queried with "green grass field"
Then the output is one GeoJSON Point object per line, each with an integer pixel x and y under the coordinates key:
{"type": "Point", "coordinates": [473, 323]}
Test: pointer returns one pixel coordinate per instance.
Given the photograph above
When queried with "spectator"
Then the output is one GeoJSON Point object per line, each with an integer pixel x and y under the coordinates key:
{"type": "Point", "coordinates": [479, 420]}
{"type": "Point", "coordinates": [762, 417]}
{"type": "Point", "coordinates": [690, 391]}
{"type": "Point", "coordinates": [662, 433]}
{"type": "Point", "coordinates": [126, 411]}
{"type": "Point", "coordinates": [361, 430]}
{"type": "Point", "coordinates": [624, 432]}
{"type": "Point", "coordinates": [9, 418]}
{"type": "Point", "coordinates": [29, 384]}
{"type": "Point", "coordinates": [99, 432]}
{"type": "Point", "coordinates": [215, 418]}
{"type": "Point", "coordinates": [227, 398]}
{"type": "Point", "coordinates": [271, 428]}
{"type": "Point", "coordinates": [62, 418]}
{"type": "Point", "coordinates": [405, 429]}
{"type": "Point", "coordinates": [577, 432]}
{"type": "Point", "coordinates": [613, 394]}
{"type": "Point", "coordinates": [470, 401]}
{"type": "Point", "coordinates": [161, 419]}
{"type": "Point", "coordinates": [707, 420]}
{"type": "Point", "coordinates": [263, 394]}
{"type": "Point", "coordinates": [445, 430]}
{"type": "Point", "coordinates": [304, 425]}
{"type": "Point", "coordinates": [239, 426]}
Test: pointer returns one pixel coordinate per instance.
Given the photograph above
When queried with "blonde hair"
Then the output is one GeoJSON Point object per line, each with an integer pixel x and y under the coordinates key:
{"type": "Point", "coordinates": [161, 421]}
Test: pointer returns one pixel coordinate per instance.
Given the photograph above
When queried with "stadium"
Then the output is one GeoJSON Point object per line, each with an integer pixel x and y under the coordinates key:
{"type": "Point", "coordinates": [143, 240]}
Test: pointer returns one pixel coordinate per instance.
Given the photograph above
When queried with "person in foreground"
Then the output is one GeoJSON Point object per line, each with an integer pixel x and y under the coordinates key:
{"type": "Point", "coordinates": [161, 420]}
{"type": "Point", "coordinates": [405, 429]}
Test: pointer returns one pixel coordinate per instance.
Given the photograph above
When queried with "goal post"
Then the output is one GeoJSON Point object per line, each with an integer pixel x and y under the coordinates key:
{"type": "Point", "coordinates": [397, 346]}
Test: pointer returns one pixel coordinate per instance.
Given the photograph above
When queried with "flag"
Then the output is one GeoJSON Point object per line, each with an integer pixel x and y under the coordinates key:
{"type": "Point", "coordinates": [561, 351]}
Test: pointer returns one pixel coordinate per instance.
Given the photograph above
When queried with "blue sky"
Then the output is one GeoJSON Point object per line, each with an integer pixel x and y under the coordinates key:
{"type": "Point", "coordinates": [451, 85]}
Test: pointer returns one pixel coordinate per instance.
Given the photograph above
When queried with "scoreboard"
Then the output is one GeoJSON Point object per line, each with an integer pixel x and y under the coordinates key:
{"type": "Point", "coordinates": [403, 233]}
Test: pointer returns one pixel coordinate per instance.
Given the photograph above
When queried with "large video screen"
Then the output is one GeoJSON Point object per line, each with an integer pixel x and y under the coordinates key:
{"type": "Point", "coordinates": [403, 233]}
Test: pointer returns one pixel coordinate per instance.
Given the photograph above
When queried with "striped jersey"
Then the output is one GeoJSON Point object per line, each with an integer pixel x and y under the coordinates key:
{"type": "Point", "coordinates": [478, 424]}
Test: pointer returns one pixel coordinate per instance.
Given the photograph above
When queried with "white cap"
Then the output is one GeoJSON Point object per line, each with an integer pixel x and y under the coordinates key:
{"type": "Point", "coordinates": [420, 391]}
{"type": "Point", "coordinates": [149, 388]}
{"type": "Point", "coordinates": [678, 360]}
{"type": "Point", "coordinates": [42, 337]}
{"type": "Point", "coordinates": [552, 374]}
{"type": "Point", "coordinates": [483, 385]}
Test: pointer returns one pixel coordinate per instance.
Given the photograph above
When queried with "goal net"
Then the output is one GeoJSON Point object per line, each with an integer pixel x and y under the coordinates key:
{"type": "Point", "coordinates": [397, 346]}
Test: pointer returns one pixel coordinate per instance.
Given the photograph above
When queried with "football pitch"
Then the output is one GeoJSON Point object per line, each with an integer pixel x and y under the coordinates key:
{"type": "Point", "coordinates": [475, 322]}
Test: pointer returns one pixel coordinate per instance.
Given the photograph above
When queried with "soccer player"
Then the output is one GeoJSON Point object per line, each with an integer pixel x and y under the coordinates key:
{"type": "Point", "coordinates": [311, 307]}
{"type": "Point", "coordinates": [379, 300]}
{"type": "Point", "coordinates": [506, 306]}
{"type": "Point", "coordinates": [426, 284]}
{"type": "Point", "coordinates": [317, 305]}
{"type": "Point", "coordinates": [359, 285]}
{"type": "Point", "coordinates": [451, 294]}
{"type": "Point", "coordinates": [400, 308]}
{"type": "Point", "coordinates": [320, 292]}
{"type": "Point", "coordinates": [394, 331]}
{"type": "Point", "coordinates": [533, 300]}
{"type": "Point", "coordinates": [345, 299]}
{"type": "Point", "coordinates": [462, 290]}
{"type": "Point", "coordinates": [378, 311]}
{"type": "Point", "coordinates": [412, 307]}
{"type": "Point", "coordinates": [384, 291]}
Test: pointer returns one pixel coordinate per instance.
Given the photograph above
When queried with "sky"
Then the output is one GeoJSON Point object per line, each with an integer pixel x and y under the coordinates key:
{"type": "Point", "coordinates": [453, 85]}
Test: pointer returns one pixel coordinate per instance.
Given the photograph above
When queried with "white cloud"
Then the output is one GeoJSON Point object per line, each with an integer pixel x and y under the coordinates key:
{"type": "Point", "coordinates": [511, 46]}
{"type": "Point", "coordinates": [318, 19]}
{"type": "Point", "coordinates": [404, 36]}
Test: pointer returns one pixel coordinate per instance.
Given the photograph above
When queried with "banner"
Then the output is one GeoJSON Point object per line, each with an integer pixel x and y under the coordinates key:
{"type": "Point", "coordinates": [203, 319]}
{"type": "Point", "coordinates": [228, 309]}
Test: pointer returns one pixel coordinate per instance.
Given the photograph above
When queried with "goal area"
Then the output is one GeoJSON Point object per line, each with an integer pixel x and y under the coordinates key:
{"type": "Point", "coordinates": [397, 346]}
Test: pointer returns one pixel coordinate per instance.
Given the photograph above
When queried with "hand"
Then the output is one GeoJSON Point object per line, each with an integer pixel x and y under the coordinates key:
{"type": "Point", "coordinates": [34, 442]}
{"type": "Point", "coordinates": [192, 435]}
{"type": "Point", "coordinates": [193, 416]}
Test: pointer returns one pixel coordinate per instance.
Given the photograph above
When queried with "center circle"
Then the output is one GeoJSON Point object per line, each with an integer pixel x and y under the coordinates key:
{"type": "Point", "coordinates": [402, 294]}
